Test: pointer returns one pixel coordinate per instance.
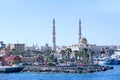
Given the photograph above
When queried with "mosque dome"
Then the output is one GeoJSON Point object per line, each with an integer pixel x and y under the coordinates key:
{"type": "Point", "coordinates": [83, 41]}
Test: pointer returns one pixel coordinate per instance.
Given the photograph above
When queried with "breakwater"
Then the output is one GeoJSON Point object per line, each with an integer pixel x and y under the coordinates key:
{"type": "Point", "coordinates": [67, 69]}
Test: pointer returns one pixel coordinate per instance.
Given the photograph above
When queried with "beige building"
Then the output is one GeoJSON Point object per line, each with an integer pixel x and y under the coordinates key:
{"type": "Point", "coordinates": [17, 47]}
{"type": "Point", "coordinates": [28, 59]}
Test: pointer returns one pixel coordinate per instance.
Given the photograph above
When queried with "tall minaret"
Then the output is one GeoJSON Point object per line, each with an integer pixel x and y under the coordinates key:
{"type": "Point", "coordinates": [80, 30]}
{"type": "Point", "coordinates": [54, 38]}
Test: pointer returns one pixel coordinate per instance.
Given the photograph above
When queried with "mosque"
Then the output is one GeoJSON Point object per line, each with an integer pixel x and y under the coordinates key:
{"type": "Point", "coordinates": [82, 41]}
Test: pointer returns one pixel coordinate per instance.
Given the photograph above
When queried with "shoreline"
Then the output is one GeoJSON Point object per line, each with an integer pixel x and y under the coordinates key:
{"type": "Point", "coordinates": [67, 69]}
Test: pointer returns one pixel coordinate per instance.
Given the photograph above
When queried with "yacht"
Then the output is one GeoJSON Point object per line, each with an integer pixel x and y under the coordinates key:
{"type": "Point", "coordinates": [116, 54]}
{"type": "Point", "coordinates": [102, 60]}
{"type": "Point", "coordinates": [115, 58]}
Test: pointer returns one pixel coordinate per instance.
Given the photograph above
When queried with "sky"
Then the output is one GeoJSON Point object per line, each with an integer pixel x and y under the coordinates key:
{"type": "Point", "coordinates": [30, 21]}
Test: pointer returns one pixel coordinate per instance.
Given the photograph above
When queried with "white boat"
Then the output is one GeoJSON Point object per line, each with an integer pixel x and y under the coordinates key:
{"type": "Point", "coordinates": [116, 54]}
{"type": "Point", "coordinates": [102, 61]}
{"type": "Point", "coordinates": [114, 59]}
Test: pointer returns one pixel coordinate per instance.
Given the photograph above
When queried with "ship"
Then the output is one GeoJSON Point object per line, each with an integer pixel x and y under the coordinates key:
{"type": "Point", "coordinates": [10, 69]}
{"type": "Point", "coordinates": [103, 60]}
{"type": "Point", "coordinates": [114, 59]}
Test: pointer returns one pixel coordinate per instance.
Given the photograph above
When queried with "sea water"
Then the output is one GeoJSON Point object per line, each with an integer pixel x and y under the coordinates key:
{"type": "Point", "coordinates": [105, 75]}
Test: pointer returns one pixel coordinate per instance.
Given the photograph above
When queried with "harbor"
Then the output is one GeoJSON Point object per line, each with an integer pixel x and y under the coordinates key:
{"type": "Point", "coordinates": [103, 75]}
{"type": "Point", "coordinates": [81, 57]}
{"type": "Point", "coordinates": [59, 40]}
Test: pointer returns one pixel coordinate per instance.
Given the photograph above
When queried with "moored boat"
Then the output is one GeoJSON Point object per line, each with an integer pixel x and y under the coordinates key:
{"type": "Point", "coordinates": [10, 69]}
{"type": "Point", "coordinates": [114, 59]}
{"type": "Point", "coordinates": [101, 60]}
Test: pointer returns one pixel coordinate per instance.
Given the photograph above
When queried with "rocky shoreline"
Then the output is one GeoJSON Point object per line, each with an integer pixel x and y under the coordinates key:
{"type": "Point", "coordinates": [67, 69]}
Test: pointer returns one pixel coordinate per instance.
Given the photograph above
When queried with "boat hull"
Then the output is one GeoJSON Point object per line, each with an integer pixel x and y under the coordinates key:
{"type": "Point", "coordinates": [10, 69]}
{"type": "Point", "coordinates": [113, 62]}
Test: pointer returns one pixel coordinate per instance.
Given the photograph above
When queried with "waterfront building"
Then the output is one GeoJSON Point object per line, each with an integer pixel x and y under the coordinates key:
{"type": "Point", "coordinates": [17, 47]}
{"type": "Point", "coordinates": [9, 60]}
{"type": "Point", "coordinates": [41, 49]}
{"type": "Point", "coordinates": [5, 51]}
{"type": "Point", "coordinates": [28, 60]}
{"type": "Point", "coordinates": [1, 61]}
{"type": "Point", "coordinates": [2, 45]}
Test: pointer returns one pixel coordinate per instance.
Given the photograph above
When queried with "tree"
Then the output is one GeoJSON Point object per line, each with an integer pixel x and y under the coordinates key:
{"type": "Point", "coordinates": [85, 50]}
{"type": "Point", "coordinates": [28, 53]}
{"type": "Point", "coordinates": [13, 52]}
{"type": "Point", "coordinates": [91, 55]}
{"type": "Point", "coordinates": [76, 55]}
{"type": "Point", "coordinates": [0, 49]}
{"type": "Point", "coordinates": [68, 52]}
{"type": "Point", "coordinates": [50, 58]}
{"type": "Point", "coordinates": [47, 53]}
{"type": "Point", "coordinates": [15, 62]}
{"type": "Point", "coordinates": [85, 55]}
{"type": "Point", "coordinates": [63, 54]}
{"type": "Point", "coordinates": [81, 55]}
{"type": "Point", "coordinates": [53, 52]}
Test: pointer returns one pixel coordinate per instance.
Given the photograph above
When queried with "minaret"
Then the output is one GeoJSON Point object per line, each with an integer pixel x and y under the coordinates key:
{"type": "Point", "coordinates": [80, 30]}
{"type": "Point", "coordinates": [54, 38]}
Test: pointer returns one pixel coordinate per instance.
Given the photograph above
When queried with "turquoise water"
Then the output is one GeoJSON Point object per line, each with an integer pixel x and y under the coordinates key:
{"type": "Point", "coordinates": [107, 75]}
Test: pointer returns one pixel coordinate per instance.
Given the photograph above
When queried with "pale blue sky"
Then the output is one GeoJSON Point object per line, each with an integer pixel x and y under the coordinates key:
{"type": "Point", "coordinates": [30, 21]}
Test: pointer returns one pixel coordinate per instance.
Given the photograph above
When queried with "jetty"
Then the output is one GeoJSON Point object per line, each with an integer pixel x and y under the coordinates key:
{"type": "Point", "coordinates": [67, 69]}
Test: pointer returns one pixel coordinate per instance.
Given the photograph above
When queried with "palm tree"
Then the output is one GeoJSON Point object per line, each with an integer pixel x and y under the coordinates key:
{"type": "Point", "coordinates": [50, 58]}
{"type": "Point", "coordinates": [53, 52]}
{"type": "Point", "coordinates": [92, 55]}
{"type": "Point", "coordinates": [85, 55]}
{"type": "Point", "coordinates": [47, 53]}
{"type": "Point", "coordinates": [13, 51]}
{"type": "Point", "coordinates": [68, 52]}
{"type": "Point", "coordinates": [63, 54]}
{"type": "Point", "coordinates": [0, 49]}
{"type": "Point", "coordinates": [18, 52]}
{"type": "Point", "coordinates": [76, 55]}
{"type": "Point", "coordinates": [36, 53]}
{"type": "Point", "coordinates": [85, 50]}
{"type": "Point", "coordinates": [81, 55]}
{"type": "Point", "coordinates": [28, 53]}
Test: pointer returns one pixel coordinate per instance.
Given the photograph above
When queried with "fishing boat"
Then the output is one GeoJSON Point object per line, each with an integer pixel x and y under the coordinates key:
{"type": "Point", "coordinates": [10, 69]}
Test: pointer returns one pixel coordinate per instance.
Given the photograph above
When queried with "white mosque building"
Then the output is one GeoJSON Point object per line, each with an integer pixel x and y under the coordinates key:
{"type": "Point", "coordinates": [83, 43]}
